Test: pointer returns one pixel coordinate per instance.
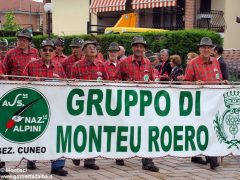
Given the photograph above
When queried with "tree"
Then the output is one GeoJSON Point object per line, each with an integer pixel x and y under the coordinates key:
{"type": "Point", "coordinates": [10, 24]}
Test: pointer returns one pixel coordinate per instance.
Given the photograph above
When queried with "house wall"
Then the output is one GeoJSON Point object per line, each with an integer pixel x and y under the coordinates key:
{"type": "Point", "coordinates": [28, 19]}
{"type": "Point", "coordinates": [231, 35]}
{"type": "Point", "coordinates": [145, 18]}
{"type": "Point", "coordinates": [70, 17]}
{"type": "Point", "coordinates": [74, 21]}
{"type": "Point", "coordinates": [25, 20]}
{"type": "Point", "coordinates": [218, 5]}
{"type": "Point", "coordinates": [26, 12]}
{"type": "Point", "coordinates": [231, 10]}
{"type": "Point", "coordinates": [94, 18]}
{"type": "Point", "coordinates": [190, 11]}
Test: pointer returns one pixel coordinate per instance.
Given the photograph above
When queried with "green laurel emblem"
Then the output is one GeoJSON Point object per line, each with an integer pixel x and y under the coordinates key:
{"type": "Point", "coordinates": [227, 125]}
{"type": "Point", "coordinates": [146, 77]}
{"type": "Point", "coordinates": [24, 115]}
{"type": "Point", "coordinates": [99, 79]}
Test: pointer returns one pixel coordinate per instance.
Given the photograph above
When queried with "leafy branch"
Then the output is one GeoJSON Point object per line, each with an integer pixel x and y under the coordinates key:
{"type": "Point", "coordinates": [222, 137]}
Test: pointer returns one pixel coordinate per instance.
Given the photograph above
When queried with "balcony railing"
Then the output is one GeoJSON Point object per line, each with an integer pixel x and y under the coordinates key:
{"type": "Point", "coordinates": [212, 20]}
{"type": "Point", "coordinates": [99, 29]}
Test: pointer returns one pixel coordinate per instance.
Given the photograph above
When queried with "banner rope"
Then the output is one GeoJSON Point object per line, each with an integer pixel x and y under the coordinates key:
{"type": "Point", "coordinates": [143, 84]}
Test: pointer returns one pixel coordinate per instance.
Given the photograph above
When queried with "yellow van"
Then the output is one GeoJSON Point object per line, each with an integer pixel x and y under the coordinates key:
{"type": "Point", "coordinates": [128, 24]}
{"type": "Point", "coordinates": [120, 30]}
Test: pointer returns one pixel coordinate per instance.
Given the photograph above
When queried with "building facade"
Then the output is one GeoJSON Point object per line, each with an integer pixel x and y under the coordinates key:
{"type": "Point", "coordinates": [27, 13]}
{"type": "Point", "coordinates": [217, 15]}
{"type": "Point", "coordinates": [70, 17]}
{"type": "Point", "coordinates": [92, 16]}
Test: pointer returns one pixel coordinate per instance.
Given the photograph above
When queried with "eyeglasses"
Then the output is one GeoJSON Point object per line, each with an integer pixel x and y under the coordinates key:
{"type": "Point", "coordinates": [113, 51]}
{"type": "Point", "coordinates": [75, 47]}
{"type": "Point", "coordinates": [91, 47]}
{"type": "Point", "coordinates": [47, 50]}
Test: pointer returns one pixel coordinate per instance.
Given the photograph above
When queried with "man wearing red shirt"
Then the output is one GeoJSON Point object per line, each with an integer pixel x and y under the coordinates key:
{"type": "Point", "coordinates": [89, 68]}
{"type": "Point", "coordinates": [2, 69]}
{"type": "Point", "coordinates": [112, 62]}
{"type": "Point", "coordinates": [138, 68]}
{"type": "Point", "coordinates": [3, 48]}
{"type": "Point", "coordinates": [204, 68]}
{"type": "Point", "coordinates": [59, 46]}
{"type": "Point", "coordinates": [17, 58]}
{"type": "Point", "coordinates": [2, 72]}
{"type": "Point", "coordinates": [111, 66]}
{"type": "Point", "coordinates": [76, 56]}
{"type": "Point", "coordinates": [3, 51]}
{"type": "Point", "coordinates": [46, 67]}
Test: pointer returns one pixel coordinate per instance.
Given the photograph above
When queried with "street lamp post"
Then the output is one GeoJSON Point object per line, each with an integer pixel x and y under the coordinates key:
{"type": "Point", "coordinates": [238, 19]}
{"type": "Point", "coordinates": [0, 23]}
{"type": "Point", "coordinates": [48, 8]}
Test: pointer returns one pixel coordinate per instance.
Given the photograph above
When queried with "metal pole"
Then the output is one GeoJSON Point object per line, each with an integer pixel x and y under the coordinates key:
{"type": "Point", "coordinates": [30, 13]}
{"type": "Point", "coordinates": [48, 14]}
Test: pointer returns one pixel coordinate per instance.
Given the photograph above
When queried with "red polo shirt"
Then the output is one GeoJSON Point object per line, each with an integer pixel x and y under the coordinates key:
{"type": "Point", "coordinates": [86, 70]}
{"type": "Point", "coordinates": [130, 70]}
{"type": "Point", "coordinates": [199, 70]}
{"type": "Point", "coordinates": [59, 58]}
{"type": "Point", "coordinates": [16, 60]}
{"type": "Point", "coordinates": [100, 57]}
{"type": "Point", "coordinates": [39, 69]}
{"type": "Point", "coordinates": [68, 63]}
{"type": "Point", "coordinates": [2, 69]}
{"type": "Point", "coordinates": [1, 56]}
{"type": "Point", "coordinates": [111, 69]}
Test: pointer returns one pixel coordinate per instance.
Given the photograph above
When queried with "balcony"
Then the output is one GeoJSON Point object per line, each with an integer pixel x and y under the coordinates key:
{"type": "Point", "coordinates": [212, 20]}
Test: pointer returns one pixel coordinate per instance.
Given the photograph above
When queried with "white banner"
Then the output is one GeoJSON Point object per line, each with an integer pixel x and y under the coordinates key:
{"type": "Point", "coordinates": [46, 121]}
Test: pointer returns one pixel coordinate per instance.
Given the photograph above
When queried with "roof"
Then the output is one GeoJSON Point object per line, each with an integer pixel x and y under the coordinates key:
{"type": "Point", "coordinates": [232, 59]}
{"type": "Point", "coordinates": [21, 5]}
{"type": "Point", "coordinates": [231, 54]}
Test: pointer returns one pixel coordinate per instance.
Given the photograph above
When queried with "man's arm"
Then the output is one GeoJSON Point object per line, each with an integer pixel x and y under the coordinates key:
{"type": "Point", "coordinates": [118, 75]}
{"type": "Point", "coordinates": [105, 74]}
{"type": "Point", "coordinates": [74, 72]}
{"type": "Point", "coordinates": [189, 74]}
{"type": "Point", "coordinates": [26, 71]}
{"type": "Point", "coordinates": [7, 63]}
{"type": "Point", "coordinates": [2, 69]}
{"type": "Point", "coordinates": [61, 71]}
{"type": "Point", "coordinates": [155, 74]}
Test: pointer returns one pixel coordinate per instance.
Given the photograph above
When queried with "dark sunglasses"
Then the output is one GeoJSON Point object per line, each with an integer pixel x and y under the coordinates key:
{"type": "Point", "coordinates": [75, 47]}
{"type": "Point", "coordinates": [47, 50]}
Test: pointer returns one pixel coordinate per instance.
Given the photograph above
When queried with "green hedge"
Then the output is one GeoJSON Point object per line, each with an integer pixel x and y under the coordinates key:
{"type": "Point", "coordinates": [178, 42]}
{"type": "Point", "coordinates": [13, 33]}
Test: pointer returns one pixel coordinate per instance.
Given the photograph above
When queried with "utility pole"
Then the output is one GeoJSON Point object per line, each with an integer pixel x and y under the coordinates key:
{"type": "Point", "coordinates": [30, 13]}
{"type": "Point", "coordinates": [0, 23]}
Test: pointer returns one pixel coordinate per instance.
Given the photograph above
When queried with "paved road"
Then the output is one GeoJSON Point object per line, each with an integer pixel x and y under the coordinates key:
{"type": "Point", "coordinates": [170, 168]}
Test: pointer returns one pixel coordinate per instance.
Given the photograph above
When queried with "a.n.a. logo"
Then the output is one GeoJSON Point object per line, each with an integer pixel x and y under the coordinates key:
{"type": "Point", "coordinates": [24, 115]}
{"type": "Point", "coordinates": [227, 125]}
